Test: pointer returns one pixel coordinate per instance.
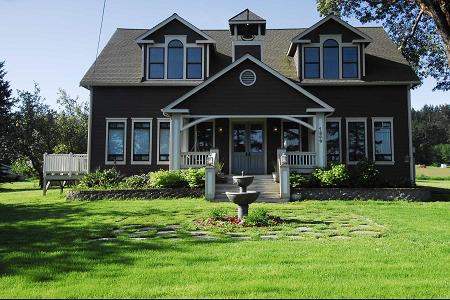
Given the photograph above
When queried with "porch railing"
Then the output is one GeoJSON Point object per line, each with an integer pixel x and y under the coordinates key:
{"type": "Point", "coordinates": [301, 159]}
{"type": "Point", "coordinates": [65, 164]}
{"type": "Point", "coordinates": [199, 159]}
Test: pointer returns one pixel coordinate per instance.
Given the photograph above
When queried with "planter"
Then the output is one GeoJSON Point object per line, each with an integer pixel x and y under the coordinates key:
{"type": "Point", "coordinates": [135, 194]}
{"type": "Point", "coordinates": [412, 194]}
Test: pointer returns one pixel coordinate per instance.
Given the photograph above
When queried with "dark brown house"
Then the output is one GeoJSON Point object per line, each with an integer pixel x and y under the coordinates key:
{"type": "Point", "coordinates": [169, 96]}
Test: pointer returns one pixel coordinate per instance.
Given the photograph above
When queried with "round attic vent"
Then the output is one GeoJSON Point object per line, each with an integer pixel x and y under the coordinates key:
{"type": "Point", "coordinates": [247, 77]}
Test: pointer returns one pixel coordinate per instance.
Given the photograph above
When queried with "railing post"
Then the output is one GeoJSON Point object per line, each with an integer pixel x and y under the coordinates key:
{"type": "Point", "coordinates": [44, 171]}
{"type": "Point", "coordinates": [210, 182]}
{"type": "Point", "coordinates": [70, 163]}
{"type": "Point", "coordinates": [285, 190]}
{"type": "Point", "coordinates": [216, 151]}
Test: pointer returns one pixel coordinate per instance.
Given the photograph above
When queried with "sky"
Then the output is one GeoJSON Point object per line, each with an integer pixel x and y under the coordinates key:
{"type": "Point", "coordinates": [53, 42]}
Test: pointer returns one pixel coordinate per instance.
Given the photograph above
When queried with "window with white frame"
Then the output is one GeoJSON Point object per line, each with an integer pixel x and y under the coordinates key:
{"type": "Point", "coordinates": [141, 144]}
{"type": "Point", "coordinates": [330, 59]}
{"type": "Point", "coordinates": [383, 140]}
{"type": "Point", "coordinates": [115, 141]}
{"type": "Point", "coordinates": [204, 136]}
{"type": "Point", "coordinates": [350, 62]}
{"type": "Point", "coordinates": [333, 135]}
{"type": "Point", "coordinates": [291, 136]}
{"type": "Point", "coordinates": [175, 59]}
{"type": "Point", "coordinates": [356, 139]}
{"type": "Point", "coordinates": [163, 141]}
{"type": "Point", "coordinates": [312, 62]}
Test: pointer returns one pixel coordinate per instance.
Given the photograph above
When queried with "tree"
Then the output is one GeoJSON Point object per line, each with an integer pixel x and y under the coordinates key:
{"type": "Point", "coordinates": [6, 115]}
{"type": "Point", "coordinates": [36, 131]}
{"type": "Point", "coordinates": [420, 28]}
{"type": "Point", "coordinates": [72, 124]}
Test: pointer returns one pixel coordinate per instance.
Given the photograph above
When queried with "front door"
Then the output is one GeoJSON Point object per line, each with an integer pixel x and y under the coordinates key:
{"type": "Point", "coordinates": [248, 148]}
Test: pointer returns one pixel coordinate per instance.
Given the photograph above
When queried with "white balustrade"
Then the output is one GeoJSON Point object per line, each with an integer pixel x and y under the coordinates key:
{"type": "Point", "coordinates": [301, 159]}
{"type": "Point", "coordinates": [67, 164]}
{"type": "Point", "coordinates": [194, 159]}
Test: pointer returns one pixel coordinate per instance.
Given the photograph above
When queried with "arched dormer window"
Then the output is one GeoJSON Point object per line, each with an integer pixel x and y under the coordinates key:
{"type": "Point", "coordinates": [175, 59]}
{"type": "Point", "coordinates": [330, 59]}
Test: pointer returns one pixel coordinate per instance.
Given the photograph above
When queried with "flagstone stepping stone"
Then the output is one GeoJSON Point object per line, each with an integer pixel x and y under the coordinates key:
{"type": "Point", "coordinates": [340, 237]}
{"type": "Point", "coordinates": [294, 237]}
{"type": "Point", "coordinates": [138, 238]}
{"type": "Point", "coordinates": [105, 239]}
{"type": "Point", "coordinates": [313, 233]}
{"type": "Point", "coordinates": [241, 237]}
{"type": "Point", "coordinates": [198, 232]}
{"type": "Point", "coordinates": [304, 228]}
{"type": "Point", "coordinates": [166, 232]}
{"type": "Point", "coordinates": [204, 237]}
{"type": "Point", "coordinates": [117, 231]}
{"type": "Point", "coordinates": [345, 225]}
{"type": "Point", "coordinates": [269, 237]}
{"type": "Point", "coordinates": [140, 232]}
{"type": "Point", "coordinates": [147, 228]}
{"type": "Point", "coordinates": [174, 226]}
{"type": "Point", "coordinates": [364, 226]}
{"type": "Point", "coordinates": [234, 233]}
{"type": "Point", "coordinates": [364, 232]}
{"type": "Point", "coordinates": [175, 239]}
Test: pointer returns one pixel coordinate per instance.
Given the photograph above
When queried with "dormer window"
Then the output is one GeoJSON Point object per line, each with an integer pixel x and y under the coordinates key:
{"type": "Point", "coordinates": [312, 62]}
{"type": "Point", "coordinates": [330, 59]}
{"type": "Point", "coordinates": [175, 60]}
{"type": "Point", "coordinates": [350, 62]}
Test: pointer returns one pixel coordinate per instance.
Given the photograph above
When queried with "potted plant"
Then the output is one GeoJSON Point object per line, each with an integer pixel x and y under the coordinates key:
{"type": "Point", "coordinates": [220, 177]}
{"type": "Point", "coordinates": [275, 172]}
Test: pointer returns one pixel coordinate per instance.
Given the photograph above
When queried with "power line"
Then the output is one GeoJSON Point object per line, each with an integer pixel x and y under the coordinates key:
{"type": "Point", "coordinates": [98, 41]}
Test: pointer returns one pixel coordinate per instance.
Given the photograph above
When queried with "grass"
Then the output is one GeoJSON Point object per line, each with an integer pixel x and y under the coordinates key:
{"type": "Point", "coordinates": [433, 173]}
{"type": "Point", "coordinates": [48, 249]}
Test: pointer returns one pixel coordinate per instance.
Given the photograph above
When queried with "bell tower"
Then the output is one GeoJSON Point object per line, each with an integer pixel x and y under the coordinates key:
{"type": "Point", "coordinates": [248, 31]}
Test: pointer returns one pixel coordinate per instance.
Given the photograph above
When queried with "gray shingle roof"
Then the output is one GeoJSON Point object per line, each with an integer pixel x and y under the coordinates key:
{"type": "Point", "coordinates": [119, 63]}
{"type": "Point", "coordinates": [246, 15]}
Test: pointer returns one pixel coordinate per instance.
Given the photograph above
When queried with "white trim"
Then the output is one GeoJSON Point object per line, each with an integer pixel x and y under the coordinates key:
{"type": "Point", "coordinates": [143, 61]}
{"type": "Point", "coordinates": [325, 106]}
{"type": "Point", "coordinates": [349, 120]}
{"type": "Point", "coordinates": [89, 145]}
{"type": "Point", "coordinates": [147, 120]}
{"type": "Point", "coordinates": [412, 173]}
{"type": "Point", "coordinates": [162, 120]}
{"type": "Point", "coordinates": [110, 120]}
{"type": "Point", "coordinates": [207, 60]}
{"type": "Point", "coordinates": [254, 77]}
{"type": "Point", "coordinates": [383, 119]}
{"type": "Point", "coordinates": [246, 43]}
{"type": "Point", "coordinates": [141, 38]}
{"type": "Point", "coordinates": [338, 120]}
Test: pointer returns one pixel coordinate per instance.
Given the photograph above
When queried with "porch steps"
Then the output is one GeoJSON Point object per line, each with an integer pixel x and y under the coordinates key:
{"type": "Point", "coordinates": [269, 190]}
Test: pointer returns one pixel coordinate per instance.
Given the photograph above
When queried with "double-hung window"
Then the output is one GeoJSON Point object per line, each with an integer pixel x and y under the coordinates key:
{"type": "Point", "coordinates": [291, 136]}
{"type": "Point", "coordinates": [141, 144]}
{"type": "Point", "coordinates": [156, 62]}
{"type": "Point", "coordinates": [349, 62]}
{"type": "Point", "coordinates": [194, 63]}
{"type": "Point", "coordinates": [204, 136]}
{"type": "Point", "coordinates": [163, 141]}
{"type": "Point", "coordinates": [356, 139]}
{"type": "Point", "coordinates": [330, 59]}
{"type": "Point", "coordinates": [175, 59]}
{"type": "Point", "coordinates": [333, 140]}
{"type": "Point", "coordinates": [383, 140]}
{"type": "Point", "coordinates": [312, 62]}
{"type": "Point", "coordinates": [116, 141]}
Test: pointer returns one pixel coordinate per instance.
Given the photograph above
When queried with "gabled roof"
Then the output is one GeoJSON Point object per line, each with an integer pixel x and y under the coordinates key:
{"type": "Point", "coordinates": [324, 106]}
{"type": "Point", "coordinates": [246, 15]}
{"type": "Point", "coordinates": [142, 38]}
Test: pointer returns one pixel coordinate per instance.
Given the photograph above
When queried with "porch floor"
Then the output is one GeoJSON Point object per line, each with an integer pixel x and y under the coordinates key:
{"type": "Point", "coordinates": [270, 191]}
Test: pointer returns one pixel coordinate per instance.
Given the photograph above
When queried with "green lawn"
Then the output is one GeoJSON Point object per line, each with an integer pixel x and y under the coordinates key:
{"type": "Point", "coordinates": [433, 171]}
{"type": "Point", "coordinates": [48, 248]}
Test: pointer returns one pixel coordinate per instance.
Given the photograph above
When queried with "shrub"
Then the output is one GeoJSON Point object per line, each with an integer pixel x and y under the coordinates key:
{"type": "Point", "coordinates": [219, 166]}
{"type": "Point", "coordinates": [367, 174]}
{"type": "Point", "coordinates": [258, 217]}
{"type": "Point", "coordinates": [104, 179]}
{"type": "Point", "coordinates": [137, 181]}
{"type": "Point", "coordinates": [218, 214]}
{"type": "Point", "coordinates": [167, 179]}
{"type": "Point", "coordinates": [61, 149]}
{"type": "Point", "coordinates": [298, 180]}
{"type": "Point", "coordinates": [337, 176]}
{"type": "Point", "coordinates": [22, 166]}
{"type": "Point", "coordinates": [194, 178]}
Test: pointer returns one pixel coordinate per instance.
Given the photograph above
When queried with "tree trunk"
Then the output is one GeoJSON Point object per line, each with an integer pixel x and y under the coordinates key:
{"type": "Point", "coordinates": [439, 10]}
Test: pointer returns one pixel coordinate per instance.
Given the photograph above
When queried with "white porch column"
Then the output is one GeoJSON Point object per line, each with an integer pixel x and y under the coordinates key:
{"type": "Point", "coordinates": [175, 141]}
{"type": "Point", "coordinates": [320, 138]}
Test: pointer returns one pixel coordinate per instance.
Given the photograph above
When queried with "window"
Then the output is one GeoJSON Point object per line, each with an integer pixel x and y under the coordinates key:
{"type": "Point", "coordinates": [156, 63]}
{"type": "Point", "coordinates": [356, 139]}
{"type": "Point", "coordinates": [312, 62]}
{"type": "Point", "coordinates": [333, 141]}
{"type": "Point", "coordinates": [163, 141]}
{"type": "Point", "coordinates": [194, 63]}
{"type": "Point", "coordinates": [383, 140]}
{"type": "Point", "coordinates": [204, 136]}
{"type": "Point", "coordinates": [291, 136]}
{"type": "Point", "coordinates": [349, 62]}
{"type": "Point", "coordinates": [175, 61]}
{"type": "Point", "coordinates": [115, 141]}
{"type": "Point", "coordinates": [141, 146]}
{"type": "Point", "coordinates": [330, 59]}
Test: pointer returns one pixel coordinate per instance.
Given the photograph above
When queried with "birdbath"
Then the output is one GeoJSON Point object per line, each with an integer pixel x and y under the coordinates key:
{"type": "Point", "coordinates": [243, 198]}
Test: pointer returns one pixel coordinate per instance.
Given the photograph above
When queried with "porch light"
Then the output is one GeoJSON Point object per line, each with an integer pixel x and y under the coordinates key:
{"type": "Point", "coordinates": [275, 129]}
{"type": "Point", "coordinates": [220, 129]}
{"type": "Point", "coordinates": [210, 160]}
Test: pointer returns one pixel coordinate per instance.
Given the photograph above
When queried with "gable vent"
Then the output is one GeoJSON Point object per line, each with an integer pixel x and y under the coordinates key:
{"type": "Point", "coordinates": [247, 77]}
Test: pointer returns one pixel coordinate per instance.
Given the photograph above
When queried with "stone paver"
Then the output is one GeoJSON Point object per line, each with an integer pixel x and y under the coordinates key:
{"type": "Point", "coordinates": [117, 231]}
{"type": "Point", "coordinates": [198, 232]}
{"type": "Point", "coordinates": [241, 237]}
{"type": "Point", "coordinates": [269, 237]}
{"type": "Point", "coordinates": [204, 237]}
{"type": "Point", "coordinates": [340, 237]}
{"type": "Point", "coordinates": [175, 239]}
{"type": "Point", "coordinates": [139, 232]}
{"type": "Point", "coordinates": [147, 228]}
{"type": "Point", "coordinates": [166, 232]}
{"type": "Point", "coordinates": [295, 237]}
{"type": "Point", "coordinates": [364, 232]}
{"type": "Point", "coordinates": [174, 226]}
{"type": "Point", "coordinates": [304, 228]}
{"type": "Point", "coordinates": [138, 238]}
{"type": "Point", "coordinates": [312, 233]}
{"type": "Point", "coordinates": [105, 239]}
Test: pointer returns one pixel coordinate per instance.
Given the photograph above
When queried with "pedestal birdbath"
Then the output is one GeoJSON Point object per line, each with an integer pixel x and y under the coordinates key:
{"type": "Point", "coordinates": [242, 198]}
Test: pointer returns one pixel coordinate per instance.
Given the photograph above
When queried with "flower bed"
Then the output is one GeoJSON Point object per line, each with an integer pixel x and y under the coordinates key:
{"type": "Point", "coordinates": [412, 194]}
{"type": "Point", "coordinates": [133, 194]}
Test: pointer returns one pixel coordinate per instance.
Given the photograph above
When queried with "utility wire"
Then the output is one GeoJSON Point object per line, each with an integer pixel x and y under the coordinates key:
{"type": "Point", "coordinates": [98, 41]}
